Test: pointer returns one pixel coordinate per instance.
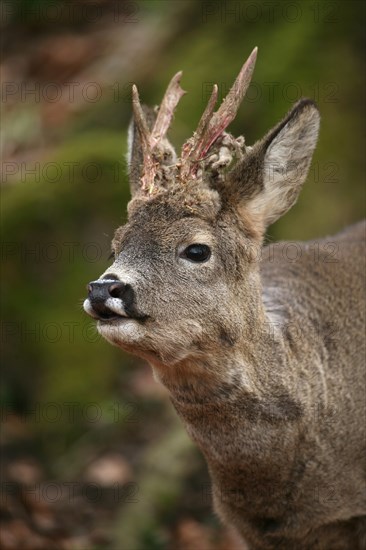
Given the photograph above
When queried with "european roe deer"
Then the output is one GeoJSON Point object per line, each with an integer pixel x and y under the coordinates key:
{"type": "Point", "coordinates": [263, 357]}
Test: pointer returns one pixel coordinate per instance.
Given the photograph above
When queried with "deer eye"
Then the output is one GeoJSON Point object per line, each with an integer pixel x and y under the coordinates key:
{"type": "Point", "coordinates": [197, 253]}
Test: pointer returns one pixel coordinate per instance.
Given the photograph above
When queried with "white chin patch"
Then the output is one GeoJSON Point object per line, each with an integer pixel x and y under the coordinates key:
{"type": "Point", "coordinates": [121, 331]}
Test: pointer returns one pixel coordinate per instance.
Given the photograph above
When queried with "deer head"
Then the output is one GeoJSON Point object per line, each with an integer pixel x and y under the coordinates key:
{"type": "Point", "coordinates": [184, 278]}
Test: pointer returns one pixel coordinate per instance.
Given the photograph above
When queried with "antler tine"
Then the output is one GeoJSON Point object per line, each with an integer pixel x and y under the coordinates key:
{"type": "Point", "coordinates": [192, 145]}
{"type": "Point", "coordinates": [141, 124]}
{"type": "Point", "coordinates": [211, 127]}
{"type": "Point", "coordinates": [207, 114]}
{"type": "Point", "coordinates": [229, 107]}
{"type": "Point", "coordinates": [168, 105]}
{"type": "Point", "coordinates": [139, 116]}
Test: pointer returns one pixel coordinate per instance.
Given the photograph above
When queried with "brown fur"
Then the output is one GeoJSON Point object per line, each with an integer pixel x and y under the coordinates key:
{"type": "Point", "coordinates": [263, 356]}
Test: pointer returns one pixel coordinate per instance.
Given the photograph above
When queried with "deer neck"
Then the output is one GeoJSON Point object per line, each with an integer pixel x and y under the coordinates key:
{"type": "Point", "coordinates": [250, 365]}
{"type": "Point", "coordinates": [231, 397]}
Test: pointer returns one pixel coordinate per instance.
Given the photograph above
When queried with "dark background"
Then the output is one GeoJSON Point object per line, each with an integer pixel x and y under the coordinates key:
{"type": "Point", "coordinates": [93, 454]}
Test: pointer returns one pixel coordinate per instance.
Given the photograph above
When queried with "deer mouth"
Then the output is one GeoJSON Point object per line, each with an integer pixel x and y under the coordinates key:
{"type": "Point", "coordinates": [112, 310]}
{"type": "Point", "coordinates": [100, 312]}
{"type": "Point", "coordinates": [113, 318]}
{"type": "Point", "coordinates": [108, 317]}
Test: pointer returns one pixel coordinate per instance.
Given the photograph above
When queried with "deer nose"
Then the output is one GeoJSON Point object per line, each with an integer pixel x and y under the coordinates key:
{"type": "Point", "coordinates": [102, 291]}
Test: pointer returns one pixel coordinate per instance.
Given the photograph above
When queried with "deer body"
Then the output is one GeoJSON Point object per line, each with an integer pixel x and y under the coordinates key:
{"type": "Point", "coordinates": [263, 355]}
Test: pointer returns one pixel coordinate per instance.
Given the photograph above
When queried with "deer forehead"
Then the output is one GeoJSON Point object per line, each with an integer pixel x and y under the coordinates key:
{"type": "Point", "coordinates": [158, 223]}
{"type": "Point", "coordinates": [153, 237]}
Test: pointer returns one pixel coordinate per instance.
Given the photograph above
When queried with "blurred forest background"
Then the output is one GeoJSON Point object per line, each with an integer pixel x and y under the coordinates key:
{"type": "Point", "coordinates": [93, 454]}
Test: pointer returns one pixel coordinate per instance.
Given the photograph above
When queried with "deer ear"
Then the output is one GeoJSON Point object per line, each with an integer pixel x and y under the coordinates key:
{"type": "Point", "coordinates": [276, 168]}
